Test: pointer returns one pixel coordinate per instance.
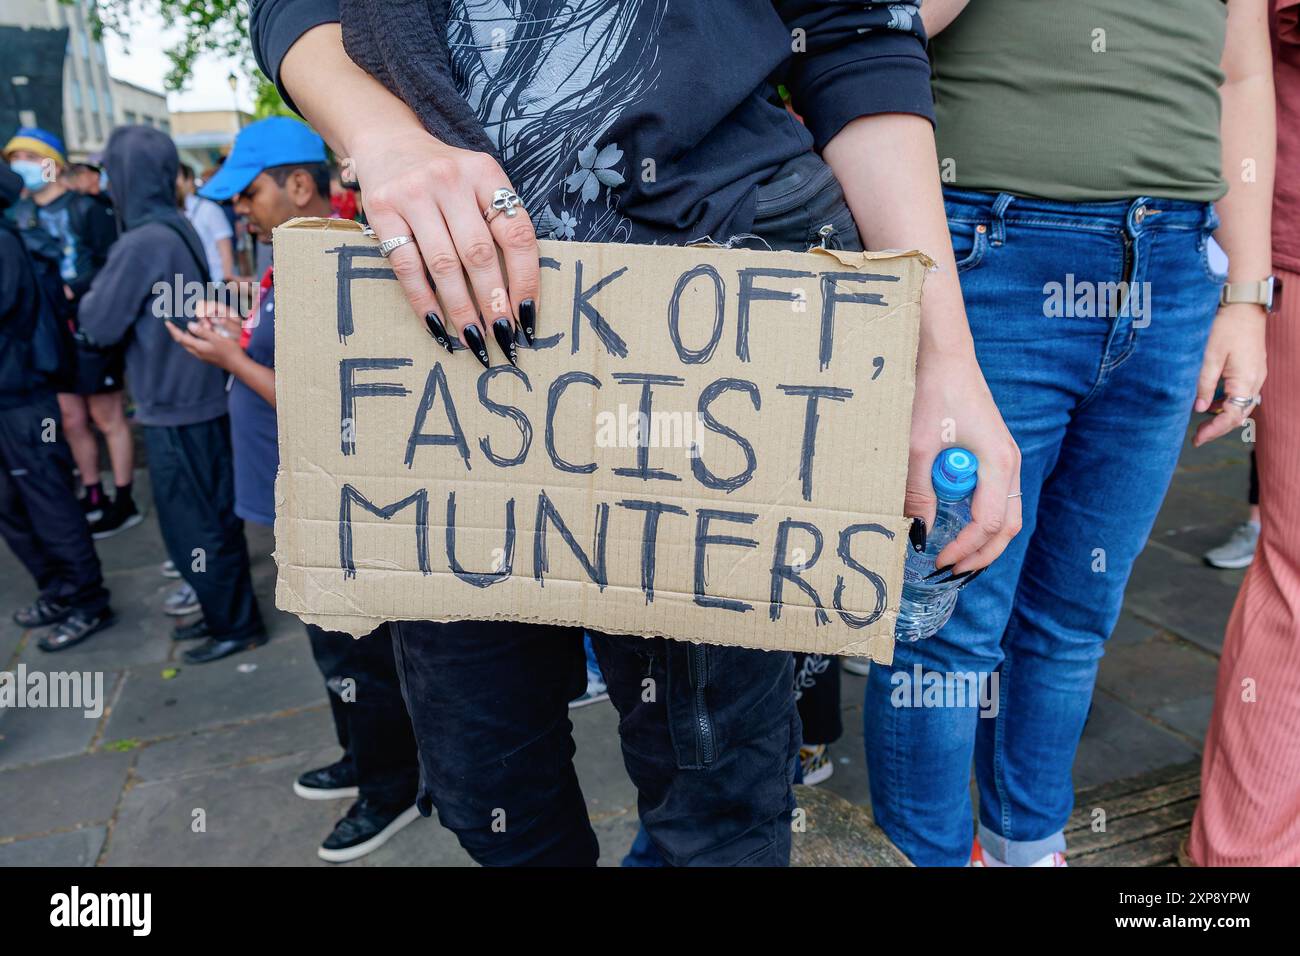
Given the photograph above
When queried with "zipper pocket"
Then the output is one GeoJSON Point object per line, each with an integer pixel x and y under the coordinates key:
{"type": "Point", "coordinates": [703, 722]}
{"type": "Point", "coordinates": [796, 196]}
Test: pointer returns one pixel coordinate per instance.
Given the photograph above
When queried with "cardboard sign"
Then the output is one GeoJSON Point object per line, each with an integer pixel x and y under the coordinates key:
{"type": "Point", "coordinates": [703, 444]}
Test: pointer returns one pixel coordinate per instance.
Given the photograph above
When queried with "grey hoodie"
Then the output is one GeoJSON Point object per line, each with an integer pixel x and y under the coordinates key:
{"type": "Point", "coordinates": [170, 386]}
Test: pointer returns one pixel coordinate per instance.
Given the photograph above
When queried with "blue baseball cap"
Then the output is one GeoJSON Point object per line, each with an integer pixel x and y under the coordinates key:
{"type": "Point", "coordinates": [274, 141]}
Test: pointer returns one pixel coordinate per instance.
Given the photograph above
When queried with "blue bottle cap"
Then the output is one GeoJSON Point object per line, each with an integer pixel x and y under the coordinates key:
{"type": "Point", "coordinates": [954, 474]}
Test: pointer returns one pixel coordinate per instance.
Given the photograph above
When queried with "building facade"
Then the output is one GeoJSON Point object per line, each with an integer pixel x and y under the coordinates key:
{"type": "Point", "coordinates": [139, 105]}
{"type": "Point", "coordinates": [89, 109]}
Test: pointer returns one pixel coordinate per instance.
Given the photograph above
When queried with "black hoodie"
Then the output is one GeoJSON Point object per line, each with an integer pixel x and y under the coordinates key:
{"type": "Point", "coordinates": [19, 303]}
{"type": "Point", "coordinates": [136, 291]}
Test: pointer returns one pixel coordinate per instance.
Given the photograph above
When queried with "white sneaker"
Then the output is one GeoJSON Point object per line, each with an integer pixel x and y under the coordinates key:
{"type": "Point", "coordinates": [1238, 551]}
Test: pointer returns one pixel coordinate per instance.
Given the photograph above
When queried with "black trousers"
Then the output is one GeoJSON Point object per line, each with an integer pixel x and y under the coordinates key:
{"type": "Point", "coordinates": [40, 518]}
{"type": "Point", "coordinates": [192, 471]}
{"type": "Point", "coordinates": [370, 716]}
{"type": "Point", "coordinates": [709, 737]}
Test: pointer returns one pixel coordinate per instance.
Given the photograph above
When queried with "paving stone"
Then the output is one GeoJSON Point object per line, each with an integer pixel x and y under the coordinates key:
{"type": "Point", "coordinates": [837, 833]}
{"type": "Point", "coordinates": [197, 751]}
{"type": "Point", "coordinates": [1183, 595]}
{"type": "Point", "coordinates": [1190, 715]}
{"type": "Point", "coordinates": [615, 835]}
{"type": "Point", "coordinates": [1193, 521]}
{"type": "Point", "coordinates": [1119, 743]}
{"type": "Point", "coordinates": [1157, 673]}
{"type": "Point", "coordinates": [208, 695]}
{"type": "Point", "coordinates": [142, 634]}
{"type": "Point", "coordinates": [29, 734]}
{"type": "Point", "coordinates": [420, 844]}
{"type": "Point", "coordinates": [71, 848]}
{"type": "Point", "coordinates": [252, 817]}
{"type": "Point", "coordinates": [1131, 630]}
{"type": "Point", "coordinates": [599, 763]}
{"type": "Point", "coordinates": [57, 794]}
{"type": "Point", "coordinates": [850, 777]}
{"type": "Point", "coordinates": [11, 635]}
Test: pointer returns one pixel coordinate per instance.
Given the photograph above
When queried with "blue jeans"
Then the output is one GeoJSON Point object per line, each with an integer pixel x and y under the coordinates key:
{"type": "Point", "coordinates": [1098, 401]}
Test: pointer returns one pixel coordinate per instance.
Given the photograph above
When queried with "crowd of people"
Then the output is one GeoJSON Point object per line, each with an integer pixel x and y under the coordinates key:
{"type": "Point", "coordinates": [1020, 145]}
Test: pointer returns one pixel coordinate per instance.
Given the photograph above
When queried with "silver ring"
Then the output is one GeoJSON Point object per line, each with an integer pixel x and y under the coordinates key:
{"type": "Point", "coordinates": [1243, 402]}
{"type": "Point", "coordinates": [503, 201]}
{"type": "Point", "coordinates": [1016, 495]}
{"type": "Point", "coordinates": [388, 245]}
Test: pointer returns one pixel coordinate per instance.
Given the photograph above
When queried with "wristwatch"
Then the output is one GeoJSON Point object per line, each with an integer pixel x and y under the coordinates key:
{"type": "Point", "coordinates": [1251, 293]}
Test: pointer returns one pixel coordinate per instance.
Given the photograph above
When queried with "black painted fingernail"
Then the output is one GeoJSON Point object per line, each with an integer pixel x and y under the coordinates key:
{"type": "Point", "coordinates": [473, 337]}
{"type": "Point", "coordinates": [972, 578]}
{"type": "Point", "coordinates": [916, 534]}
{"type": "Point", "coordinates": [438, 330]}
{"type": "Point", "coordinates": [955, 577]}
{"type": "Point", "coordinates": [504, 332]}
{"type": "Point", "coordinates": [528, 319]}
{"type": "Point", "coordinates": [938, 571]}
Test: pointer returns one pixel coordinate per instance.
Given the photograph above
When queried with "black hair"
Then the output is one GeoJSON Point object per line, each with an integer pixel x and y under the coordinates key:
{"type": "Point", "coordinates": [187, 172]}
{"type": "Point", "coordinates": [319, 173]}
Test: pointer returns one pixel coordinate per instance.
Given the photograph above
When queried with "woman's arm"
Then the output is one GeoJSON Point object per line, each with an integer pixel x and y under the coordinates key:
{"type": "Point", "coordinates": [1235, 352]}
{"type": "Point", "coordinates": [937, 14]}
{"type": "Point", "coordinates": [898, 204]}
{"type": "Point", "coordinates": [415, 185]}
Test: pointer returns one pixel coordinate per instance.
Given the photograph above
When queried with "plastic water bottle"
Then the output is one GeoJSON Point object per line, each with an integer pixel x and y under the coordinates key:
{"type": "Point", "coordinates": [927, 604]}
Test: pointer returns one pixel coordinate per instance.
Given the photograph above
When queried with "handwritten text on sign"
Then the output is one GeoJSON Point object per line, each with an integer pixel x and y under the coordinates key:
{"type": "Point", "coordinates": [703, 444]}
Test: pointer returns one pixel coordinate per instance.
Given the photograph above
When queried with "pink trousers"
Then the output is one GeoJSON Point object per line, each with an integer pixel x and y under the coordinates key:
{"type": "Point", "coordinates": [1250, 777]}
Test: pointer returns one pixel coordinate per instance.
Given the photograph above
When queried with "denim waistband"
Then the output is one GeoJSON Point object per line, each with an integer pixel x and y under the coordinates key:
{"type": "Point", "coordinates": [1137, 214]}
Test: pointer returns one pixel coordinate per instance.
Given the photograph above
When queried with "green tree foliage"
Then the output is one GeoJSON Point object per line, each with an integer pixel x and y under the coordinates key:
{"type": "Point", "coordinates": [217, 27]}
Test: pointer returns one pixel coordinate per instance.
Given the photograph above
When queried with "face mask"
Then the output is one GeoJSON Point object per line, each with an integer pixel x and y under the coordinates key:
{"type": "Point", "coordinates": [33, 174]}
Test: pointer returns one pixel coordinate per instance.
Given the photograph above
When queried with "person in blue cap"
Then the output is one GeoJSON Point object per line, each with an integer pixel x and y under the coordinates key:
{"type": "Point", "coordinates": [277, 171]}
{"type": "Point", "coordinates": [149, 278]}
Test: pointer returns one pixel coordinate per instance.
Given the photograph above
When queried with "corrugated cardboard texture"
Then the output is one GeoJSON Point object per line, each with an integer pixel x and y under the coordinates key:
{"type": "Point", "coordinates": [782, 553]}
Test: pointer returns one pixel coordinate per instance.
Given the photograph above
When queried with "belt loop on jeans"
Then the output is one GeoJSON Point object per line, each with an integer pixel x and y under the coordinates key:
{"type": "Point", "coordinates": [998, 223]}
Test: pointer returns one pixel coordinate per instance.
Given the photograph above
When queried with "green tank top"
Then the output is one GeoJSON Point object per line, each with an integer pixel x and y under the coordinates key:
{"type": "Point", "coordinates": [1082, 100]}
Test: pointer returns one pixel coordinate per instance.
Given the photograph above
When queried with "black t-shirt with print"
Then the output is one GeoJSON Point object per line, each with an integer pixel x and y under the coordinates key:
{"type": "Point", "coordinates": [655, 120]}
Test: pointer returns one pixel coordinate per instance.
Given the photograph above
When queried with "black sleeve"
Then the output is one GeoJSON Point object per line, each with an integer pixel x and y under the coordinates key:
{"type": "Point", "coordinates": [96, 233]}
{"type": "Point", "coordinates": [855, 58]}
{"type": "Point", "coordinates": [276, 25]}
{"type": "Point", "coordinates": [130, 277]}
{"type": "Point", "coordinates": [14, 273]}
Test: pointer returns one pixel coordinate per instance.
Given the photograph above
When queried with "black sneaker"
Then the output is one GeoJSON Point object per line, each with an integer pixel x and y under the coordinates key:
{"type": "Point", "coordinates": [214, 650]}
{"type": "Point", "coordinates": [191, 632]}
{"type": "Point", "coordinates": [93, 508]}
{"type": "Point", "coordinates": [365, 829]}
{"type": "Point", "coordinates": [118, 516]}
{"type": "Point", "coordinates": [334, 782]}
{"type": "Point", "coordinates": [41, 613]}
{"type": "Point", "coordinates": [76, 627]}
